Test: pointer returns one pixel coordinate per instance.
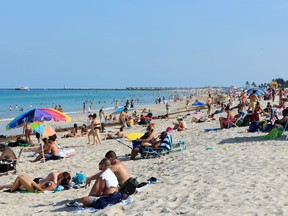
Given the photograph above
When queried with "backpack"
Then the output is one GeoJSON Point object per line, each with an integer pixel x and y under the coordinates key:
{"type": "Point", "coordinates": [253, 127]}
{"type": "Point", "coordinates": [79, 178]}
{"type": "Point", "coordinates": [129, 187]}
{"type": "Point", "coordinates": [7, 165]}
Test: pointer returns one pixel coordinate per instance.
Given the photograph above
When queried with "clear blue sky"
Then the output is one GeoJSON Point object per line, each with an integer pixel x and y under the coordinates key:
{"type": "Point", "coordinates": [121, 43]}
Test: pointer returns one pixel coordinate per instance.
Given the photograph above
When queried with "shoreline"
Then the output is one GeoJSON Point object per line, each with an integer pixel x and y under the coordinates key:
{"type": "Point", "coordinates": [177, 107]}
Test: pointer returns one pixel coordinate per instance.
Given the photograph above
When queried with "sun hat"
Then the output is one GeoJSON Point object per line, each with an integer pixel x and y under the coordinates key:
{"type": "Point", "coordinates": [179, 118]}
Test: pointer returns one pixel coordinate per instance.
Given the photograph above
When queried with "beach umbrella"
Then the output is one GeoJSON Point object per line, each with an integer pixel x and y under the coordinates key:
{"type": "Point", "coordinates": [198, 103]}
{"type": "Point", "coordinates": [134, 135]}
{"type": "Point", "coordinates": [119, 110]}
{"type": "Point", "coordinates": [43, 129]}
{"type": "Point", "coordinates": [259, 92]}
{"type": "Point", "coordinates": [38, 115]}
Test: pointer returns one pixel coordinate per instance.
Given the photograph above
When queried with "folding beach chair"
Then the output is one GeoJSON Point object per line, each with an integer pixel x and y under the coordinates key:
{"type": "Point", "coordinates": [234, 122]}
{"type": "Point", "coordinates": [165, 147]}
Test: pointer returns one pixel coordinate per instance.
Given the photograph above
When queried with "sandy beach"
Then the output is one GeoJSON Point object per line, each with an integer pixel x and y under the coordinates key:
{"type": "Point", "coordinates": [223, 172]}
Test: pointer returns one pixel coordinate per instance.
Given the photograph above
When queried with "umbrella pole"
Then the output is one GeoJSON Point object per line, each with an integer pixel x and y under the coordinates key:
{"type": "Point", "coordinates": [42, 148]}
{"type": "Point", "coordinates": [123, 144]}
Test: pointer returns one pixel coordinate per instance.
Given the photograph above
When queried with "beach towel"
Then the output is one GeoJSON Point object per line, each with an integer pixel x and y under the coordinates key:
{"type": "Point", "coordinates": [106, 200]}
{"type": "Point", "coordinates": [211, 129]}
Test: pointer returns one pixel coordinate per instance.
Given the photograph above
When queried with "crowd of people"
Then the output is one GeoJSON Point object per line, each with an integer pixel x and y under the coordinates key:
{"type": "Point", "coordinates": [112, 172]}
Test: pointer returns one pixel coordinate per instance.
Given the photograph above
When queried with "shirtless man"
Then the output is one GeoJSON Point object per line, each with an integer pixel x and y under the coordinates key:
{"type": "Point", "coordinates": [123, 118]}
{"type": "Point", "coordinates": [230, 117]}
{"type": "Point", "coordinates": [120, 170]}
{"type": "Point", "coordinates": [244, 99]}
{"type": "Point", "coordinates": [106, 184]}
{"type": "Point", "coordinates": [253, 100]}
{"type": "Point", "coordinates": [52, 149]}
{"type": "Point", "coordinates": [7, 153]}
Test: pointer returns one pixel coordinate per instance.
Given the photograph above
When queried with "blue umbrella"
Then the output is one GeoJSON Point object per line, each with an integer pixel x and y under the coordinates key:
{"type": "Point", "coordinates": [259, 92]}
{"type": "Point", "coordinates": [119, 110]}
{"type": "Point", "coordinates": [198, 103]}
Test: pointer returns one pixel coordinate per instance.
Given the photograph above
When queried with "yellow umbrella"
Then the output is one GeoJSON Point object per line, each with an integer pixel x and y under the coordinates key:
{"type": "Point", "coordinates": [134, 135]}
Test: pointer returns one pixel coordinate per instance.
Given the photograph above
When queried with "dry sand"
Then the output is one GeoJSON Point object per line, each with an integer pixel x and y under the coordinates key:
{"type": "Point", "coordinates": [224, 172]}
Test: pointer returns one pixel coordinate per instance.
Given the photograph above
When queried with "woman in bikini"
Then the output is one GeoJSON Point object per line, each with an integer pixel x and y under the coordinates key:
{"type": "Point", "coordinates": [27, 130]}
{"type": "Point", "coordinates": [95, 130]}
{"type": "Point", "coordinates": [73, 132]}
{"type": "Point", "coordinates": [26, 183]}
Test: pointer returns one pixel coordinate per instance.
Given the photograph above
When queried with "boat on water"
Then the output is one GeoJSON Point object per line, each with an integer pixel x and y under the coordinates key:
{"type": "Point", "coordinates": [23, 88]}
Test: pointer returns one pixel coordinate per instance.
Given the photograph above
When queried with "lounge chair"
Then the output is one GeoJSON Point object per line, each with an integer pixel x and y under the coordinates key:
{"type": "Point", "coordinates": [234, 122]}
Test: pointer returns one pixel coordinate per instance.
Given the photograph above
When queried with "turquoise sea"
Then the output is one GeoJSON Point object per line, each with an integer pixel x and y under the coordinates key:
{"type": "Point", "coordinates": [72, 100]}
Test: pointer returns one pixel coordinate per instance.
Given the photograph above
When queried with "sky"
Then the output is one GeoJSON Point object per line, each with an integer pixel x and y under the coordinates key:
{"type": "Point", "coordinates": [151, 43]}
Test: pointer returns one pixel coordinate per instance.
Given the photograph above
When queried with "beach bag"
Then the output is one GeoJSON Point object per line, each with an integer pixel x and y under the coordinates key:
{"type": "Point", "coordinates": [265, 126]}
{"type": "Point", "coordinates": [129, 187]}
{"type": "Point", "coordinates": [79, 178]}
{"type": "Point", "coordinates": [7, 165]}
{"type": "Point", "coordinates": [253, 127]}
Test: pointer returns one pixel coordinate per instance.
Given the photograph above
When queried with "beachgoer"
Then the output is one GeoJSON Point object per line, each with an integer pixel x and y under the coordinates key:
{"type": "Point", "coordinates": [53, 151]}
{"type": "Point", "coordinates": [150, 138]}
{"type": "Point", "coordinates": [209, 103]}
{"type": "Point", "coordinates": [7, 153]}
{"type": "Point", "coordinates": [167, 108]}
{"type": "Point", "coordinates": [84, 108]}
{"type": "Point", "coordinates": [230, 117]}
{"type": "Point", "coordinates": [102, 119]}
{"type": "Point", "coordinates": [180, 125]}
{"type": "Point", "coordinates": [73, 132]}
{"type": "Point", "coordinates": [95, 129]}
{"type": "Point", "coordinates": [119, 134]}
{"type": "Point", "coordinates": [57, 177]}
{"type": "Point", "coordinates": [84, 130]}
{"type": "Point", "coordinates": [203, 119]}
{"type": "Point", "coordinates": [26, 183]}
{"type": "Point", "coordinates": [123, 118]}
{"type": "Point", "coordinates": [253, 100]}
{"type": "Point", "coordinates": [120, 170]}
{"type": "Point", "coordinates": [106, 184]}
{"type": "Point", "coordinates": [27, 130]}
{"type": "Point", "coordinates": [60, 109]}
{"type": "Point", "coordinates": [273, 94]}
{"type": "Point", "coordinates": [244, 99]}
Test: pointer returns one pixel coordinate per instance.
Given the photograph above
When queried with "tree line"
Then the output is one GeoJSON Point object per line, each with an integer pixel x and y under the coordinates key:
{"type": "Point", "coordinates": [281, 82]}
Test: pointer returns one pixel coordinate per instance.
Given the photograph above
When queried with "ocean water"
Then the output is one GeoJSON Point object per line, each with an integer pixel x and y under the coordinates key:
{"type": "Point", "coordinates": [72, 100]}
